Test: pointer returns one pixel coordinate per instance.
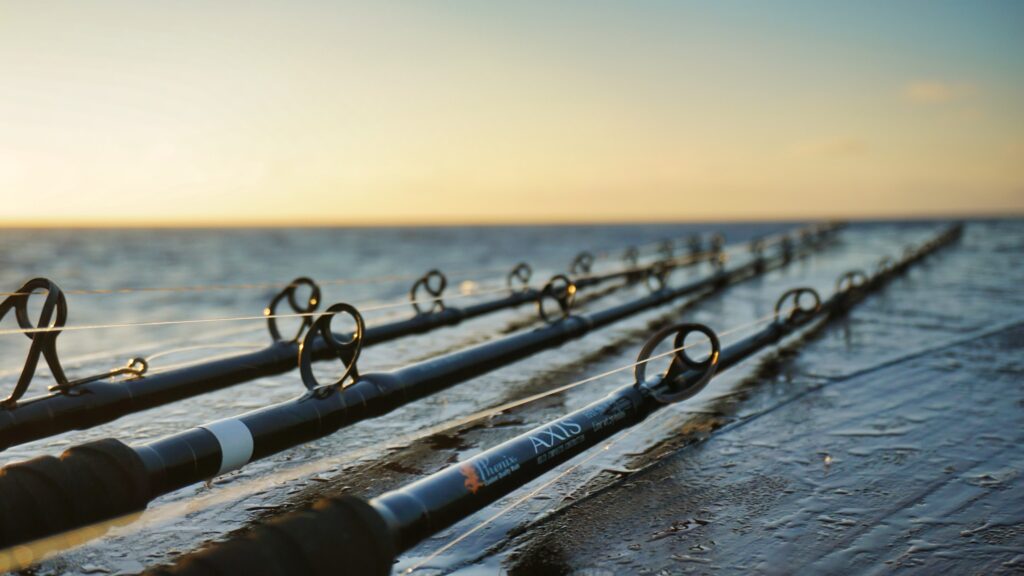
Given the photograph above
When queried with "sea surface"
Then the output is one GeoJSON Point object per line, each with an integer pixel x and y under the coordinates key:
{"type": "Point", "coordinates": [129, 291]}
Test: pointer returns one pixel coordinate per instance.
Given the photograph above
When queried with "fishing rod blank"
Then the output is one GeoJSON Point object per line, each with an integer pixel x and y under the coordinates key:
{"type": "Point", "coordinates": [80, 480]}
{"type": "Point", "coordinates": [90, 401]}
{"type": "Point", "coordinates": [347, 535]}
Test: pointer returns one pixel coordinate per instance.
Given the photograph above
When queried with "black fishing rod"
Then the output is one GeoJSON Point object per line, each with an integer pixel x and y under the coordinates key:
{"type": "Point", "coordinates": [45, 496]}
{"type": "Point", "coordinates": [93, 400]}
{"type": "Point", "coordinates": [347, 535]}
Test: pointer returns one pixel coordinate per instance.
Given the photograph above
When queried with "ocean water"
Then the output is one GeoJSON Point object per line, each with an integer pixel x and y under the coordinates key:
{"type": "Point", "coordinates": [975, 284]}
{"type": "Point", "coordinates": [362, 266]}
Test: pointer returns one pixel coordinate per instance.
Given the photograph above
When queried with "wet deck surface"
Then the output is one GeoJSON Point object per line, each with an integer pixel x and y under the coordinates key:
{"type": "Point", "coordinates": [915, 464]}
{"type": "Point", "coordinates": [795, 459]}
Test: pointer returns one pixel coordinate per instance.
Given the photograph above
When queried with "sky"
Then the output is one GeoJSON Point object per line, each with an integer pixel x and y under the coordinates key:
{"type": "Point", "coordinates": [333, 113]}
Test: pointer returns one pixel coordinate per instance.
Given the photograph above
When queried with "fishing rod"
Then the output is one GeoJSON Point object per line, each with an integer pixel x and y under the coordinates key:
{"type": "Point", "coordinates": [348, 535]}
{"type": "Point", "coordinates": [76, 490]}
{"type": "Point", "coordinates": [86, 402]}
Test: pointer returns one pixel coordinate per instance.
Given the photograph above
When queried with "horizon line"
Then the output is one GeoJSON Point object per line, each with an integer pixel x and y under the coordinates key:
{"type": "Point", "coordinates": [1009, 214]}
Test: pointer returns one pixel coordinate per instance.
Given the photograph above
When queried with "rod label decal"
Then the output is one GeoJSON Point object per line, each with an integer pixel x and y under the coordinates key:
{"type": "Point", "coordinates": [553, 435]}
{"type": "Point", "coordinates": [608, 414]}
{"type": "Point", "coordinates": [486, 470]}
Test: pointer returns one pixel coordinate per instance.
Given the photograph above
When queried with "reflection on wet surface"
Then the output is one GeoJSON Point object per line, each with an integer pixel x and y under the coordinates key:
{"type": "Point", "coordinates": [783, 462]}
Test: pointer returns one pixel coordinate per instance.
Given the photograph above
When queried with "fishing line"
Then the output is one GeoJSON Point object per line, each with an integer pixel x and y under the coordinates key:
{"type": "Point", "coordinates": [262, 285]}
{"type": "Point", "coordinates": [605, 448]}
{"type": "Point", "coordinates": [171, 351]}
{"type": "Point", "coordinates": [363, 309]}
{"type": "Point", "coordinates": [203, 359]}
{"type": "Point", "coordinates": [383, 279]}
{"type": "Point", "coordinates": [502, 408]}
{"type": "Point", "coordinates": [476, 291]}
{"type": "Point", "coordinates": [516, 403]}
{"type": "Point", "coordinates": [162, 353]}
{"type": "Point", "coordinates": [78, 361]}
{"type": "Point", "coordinates": [508, 508]}
{"type": "Point", "coordinates": [540, 395]}
{"type": "Point", "coordinates": [484, 523]}
{"type": "Point", "coordinates": [371, 308]}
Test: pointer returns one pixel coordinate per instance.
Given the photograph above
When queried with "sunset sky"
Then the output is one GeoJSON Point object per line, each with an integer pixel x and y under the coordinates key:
{"type": "Point", "coordinates": [307, 112]}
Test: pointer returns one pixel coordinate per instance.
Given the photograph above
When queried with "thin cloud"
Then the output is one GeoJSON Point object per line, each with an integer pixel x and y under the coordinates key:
{"type": "Point", "coordinates": [930, 92]}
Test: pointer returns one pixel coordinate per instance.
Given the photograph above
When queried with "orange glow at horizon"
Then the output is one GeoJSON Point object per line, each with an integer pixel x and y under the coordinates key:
{"type": "Point", "coordinates": [120, 113]}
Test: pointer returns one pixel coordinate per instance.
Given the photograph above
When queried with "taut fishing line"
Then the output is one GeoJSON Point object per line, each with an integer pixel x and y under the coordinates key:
{"type": "Point", "coordinates": [371, 308]}
{"type": "Point", "coordinates": [387, 279]}
{"type": "Point", "coordinates": [383, 279]}
{"type": "Point", "coordinates": [473, 289]}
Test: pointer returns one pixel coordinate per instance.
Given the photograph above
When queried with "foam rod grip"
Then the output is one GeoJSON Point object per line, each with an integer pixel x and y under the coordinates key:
{"type": "Point", "coordinates": [89, 483]}
{"type": "Point", "coordinates": [337, 536]}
